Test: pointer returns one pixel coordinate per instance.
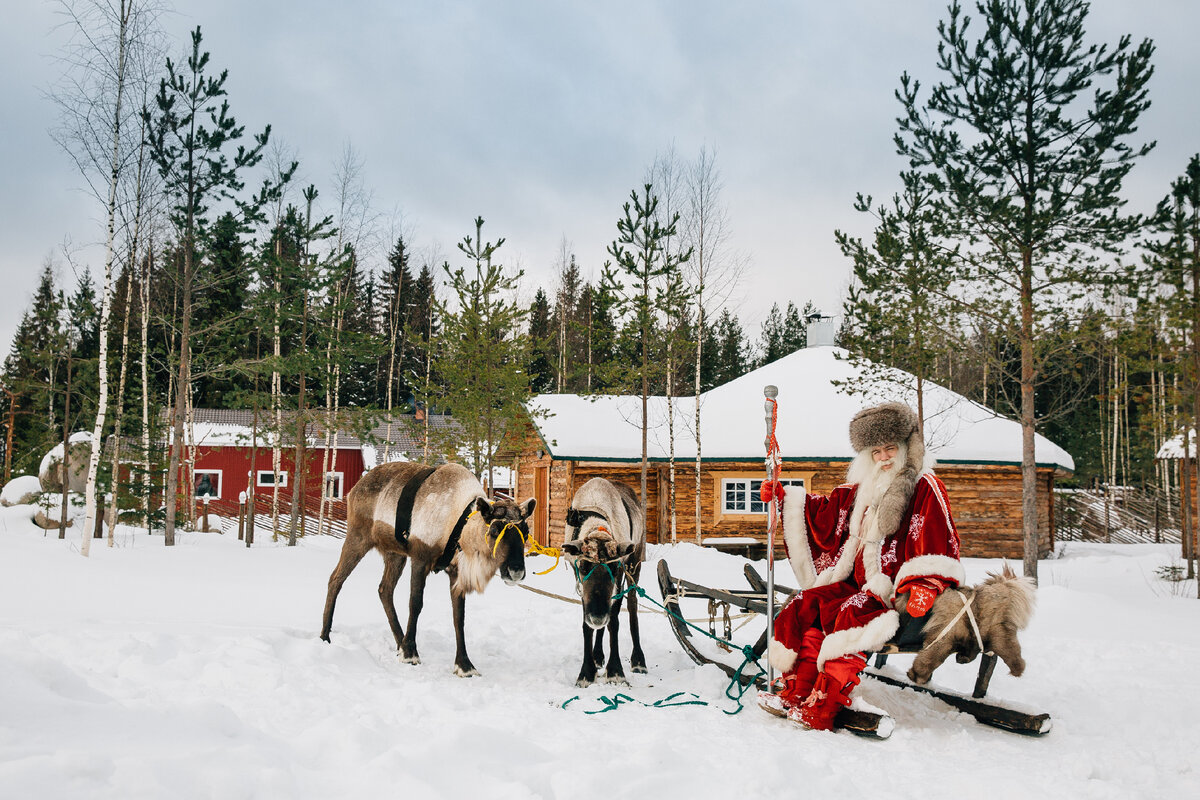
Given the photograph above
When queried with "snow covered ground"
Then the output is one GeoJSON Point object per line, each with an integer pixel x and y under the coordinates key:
{"type": "Point", "coordinates": [196, 672]}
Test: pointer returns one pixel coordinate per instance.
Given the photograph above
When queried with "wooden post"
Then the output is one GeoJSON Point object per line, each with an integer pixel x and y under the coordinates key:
{"type": "Point", "coordinates": [241, 516]}
{"type": "Point", "coordinates": [772, 465]}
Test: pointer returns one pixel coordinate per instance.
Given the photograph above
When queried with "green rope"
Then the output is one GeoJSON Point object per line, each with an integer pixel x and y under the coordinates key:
{"type": "Point", "coordinates": [612, 703]}
{"type": "Point", "coordinates": [747, 652]}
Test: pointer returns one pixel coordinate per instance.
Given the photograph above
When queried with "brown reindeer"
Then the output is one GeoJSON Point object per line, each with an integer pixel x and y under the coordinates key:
{"type": "Point", "coordinates": [439, 518]}
{"type": "Point", "coordinates": [1002, 605]}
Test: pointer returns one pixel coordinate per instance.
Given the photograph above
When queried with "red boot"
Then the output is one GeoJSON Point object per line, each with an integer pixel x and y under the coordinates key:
{"type": "Point", "coordinates": [830, 693]}
{"type": "Point", "coordinates": [798, 683]}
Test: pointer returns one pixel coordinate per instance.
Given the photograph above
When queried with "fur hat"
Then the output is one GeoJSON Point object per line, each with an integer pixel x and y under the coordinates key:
{"type": "Point", "coordinates": [887, 423]}
{"type": "Point", "coordinates": [891, 423]}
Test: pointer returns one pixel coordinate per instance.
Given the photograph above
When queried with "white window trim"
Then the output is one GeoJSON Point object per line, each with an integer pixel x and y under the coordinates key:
{"type": "Point", "coordinates": [341, 483]}
{"type": "Point", "coordinates": [196, 473]}
{"type": "Point", "coordinates": [725, 510]}
{"type": "Point", "coordinates": [258, 479]}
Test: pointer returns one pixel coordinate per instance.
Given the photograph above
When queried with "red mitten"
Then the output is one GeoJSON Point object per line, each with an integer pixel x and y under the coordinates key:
{"type": "Point", "coordinates": [921, 594]}
{"type": "Point", "coordinates": [771, 490]}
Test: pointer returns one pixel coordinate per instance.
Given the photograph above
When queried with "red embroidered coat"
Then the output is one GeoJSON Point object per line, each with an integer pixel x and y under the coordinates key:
{"type": "Point", "coordinates": [846, 590]}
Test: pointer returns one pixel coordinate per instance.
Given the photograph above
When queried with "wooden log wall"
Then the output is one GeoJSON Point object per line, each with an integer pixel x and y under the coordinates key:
{"type": "Point", "coordinates": [985, 500]}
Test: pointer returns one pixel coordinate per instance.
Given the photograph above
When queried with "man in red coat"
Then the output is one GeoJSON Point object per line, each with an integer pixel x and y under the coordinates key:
{"type": "Point", "coordinates": [881, 543]}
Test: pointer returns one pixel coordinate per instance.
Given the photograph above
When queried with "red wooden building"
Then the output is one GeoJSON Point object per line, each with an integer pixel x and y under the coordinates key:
{"type": "Point", "coordinates": [228, 460]}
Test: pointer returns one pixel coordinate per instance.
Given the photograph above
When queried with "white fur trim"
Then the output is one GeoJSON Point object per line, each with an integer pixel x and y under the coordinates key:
{"type": "Point", "coordinates": [782, 658]}
{"type": "Point", "coordinates": [868, 637]}
{"type": "Point", "coordinates": [881, 586]}
{"type": "Point", "coordinates": [795, 533]}
{"type": "Point", "coordinates": [935, 566]}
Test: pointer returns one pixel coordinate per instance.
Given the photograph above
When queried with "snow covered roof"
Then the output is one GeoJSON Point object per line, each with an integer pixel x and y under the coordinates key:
{"type": "Point", "coordinates": [1173, 448]}
{"type": "Point", "coordinates": [814, 416]}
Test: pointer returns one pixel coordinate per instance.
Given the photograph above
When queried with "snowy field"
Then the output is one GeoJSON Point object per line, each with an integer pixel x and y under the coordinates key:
{"type": "Point", "coordinates": [196, 672]}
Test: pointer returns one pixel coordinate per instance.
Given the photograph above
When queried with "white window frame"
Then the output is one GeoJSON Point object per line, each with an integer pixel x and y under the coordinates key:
{"type": "Point", "coordinates": [750, 487]}
{"type": "Point", "coordinates": [341, 484]}
{"type": "Point", "coordinates": [258, 479]}
{"type": "Point", "coordinates": [196, 473]}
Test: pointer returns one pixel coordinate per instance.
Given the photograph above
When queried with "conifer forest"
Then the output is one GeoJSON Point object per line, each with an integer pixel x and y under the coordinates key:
{"type": "Point", "coordinates": [1004, 265]}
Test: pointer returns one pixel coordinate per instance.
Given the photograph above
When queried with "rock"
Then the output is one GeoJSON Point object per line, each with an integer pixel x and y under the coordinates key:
{"type": "Point", "coordinates": [21, 491]}
{"type": "Point", "coordinates": [50, 472]}
{"type": "Point", "coordinates": [49, 510]}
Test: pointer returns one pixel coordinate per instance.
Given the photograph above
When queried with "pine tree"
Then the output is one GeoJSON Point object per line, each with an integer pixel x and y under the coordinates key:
{"type": "Point", "coordinates": [188, 134]}
{"type": "Point", "coordinates": [484, 351]}
{"type": "Point", "coordinates": [896, 310]}
{"type": "Point", "coordinates": [642, 256]}
{"type": "Point", "coordinates": [1027, 174]}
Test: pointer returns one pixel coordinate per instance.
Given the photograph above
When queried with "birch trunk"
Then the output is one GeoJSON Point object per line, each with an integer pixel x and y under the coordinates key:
{"type": "Point", "coordinates": [107, 289]}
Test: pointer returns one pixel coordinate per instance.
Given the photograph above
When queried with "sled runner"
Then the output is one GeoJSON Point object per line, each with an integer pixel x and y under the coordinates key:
{"type": "Point", "coordinates": [858, 721]}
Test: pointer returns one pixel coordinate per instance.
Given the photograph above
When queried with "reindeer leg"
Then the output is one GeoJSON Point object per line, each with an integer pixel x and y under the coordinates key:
{"type": "Point", "coordinates": [598, 650]}
{"type": "Point", "coordinates": [416, 601]}
{"type": "Point", "coordinates": [637, 659]}
{"type": "Point", "coordinates": [587, 673]}
{"type": "Point", "coordinates": [462, 664]}
{"type": "Point", "coordinates": [353, 550]}
{"type": "Point", "coordinates": [613, 672]}
{"type": "Point", "coordinates": [930, 658]}
{"type": "Point", "coordinates": [393, 566]}
{"type": "Point", "coordinates": [1008, 648]}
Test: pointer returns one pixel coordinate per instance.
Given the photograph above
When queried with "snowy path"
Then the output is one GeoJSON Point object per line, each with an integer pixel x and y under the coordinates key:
{"type": "Point", "coordinates": [196, 672]}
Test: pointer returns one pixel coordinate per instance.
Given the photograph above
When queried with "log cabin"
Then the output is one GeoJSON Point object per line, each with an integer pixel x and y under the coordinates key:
{"type": "Point", "coordinates": [569, 439]}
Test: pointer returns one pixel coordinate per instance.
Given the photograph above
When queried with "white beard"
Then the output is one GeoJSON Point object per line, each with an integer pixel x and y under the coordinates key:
{"type": "Point", "coordinates": [872, 479]}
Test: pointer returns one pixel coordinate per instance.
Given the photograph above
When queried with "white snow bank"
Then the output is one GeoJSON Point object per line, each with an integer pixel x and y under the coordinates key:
{"type": "Point", "coordinates": [196, 671]}
{"type": "Point", "coordinates": [20, 490]}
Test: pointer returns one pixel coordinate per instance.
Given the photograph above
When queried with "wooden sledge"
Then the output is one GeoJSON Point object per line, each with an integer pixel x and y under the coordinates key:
{"type": "Point", "coordinates": [859, 722]}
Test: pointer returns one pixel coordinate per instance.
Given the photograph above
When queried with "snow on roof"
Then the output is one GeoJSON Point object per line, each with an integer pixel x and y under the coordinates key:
{"type": "Point", "coordinates": [814, 417]}
{"type": "Point", "coordinates": [1173, 448]}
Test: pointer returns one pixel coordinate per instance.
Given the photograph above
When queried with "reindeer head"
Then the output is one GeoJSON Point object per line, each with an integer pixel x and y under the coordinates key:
{"type": "Point", "coordinates": [599, 563]}
{"type": "Point", "coordinates": [508, 528]}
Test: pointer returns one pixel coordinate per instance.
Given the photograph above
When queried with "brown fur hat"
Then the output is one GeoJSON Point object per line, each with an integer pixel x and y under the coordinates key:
{"type": "Point", "coordinates": [891, 423]}
{"type": "Point", "coordinates": [887, 423]}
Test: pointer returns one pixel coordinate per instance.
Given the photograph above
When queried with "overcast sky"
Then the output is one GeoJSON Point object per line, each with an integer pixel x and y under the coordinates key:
{"type": "Point", "coordinates": [541, 117]}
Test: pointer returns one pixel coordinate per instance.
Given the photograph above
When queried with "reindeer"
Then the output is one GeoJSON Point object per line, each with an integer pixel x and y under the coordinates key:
{"type": "Point", "coordinates": [439, 518]}
{"type": "Point", "coordinates": [605, 540]}
{"type": "Point", "coordinates": [1001, 605]}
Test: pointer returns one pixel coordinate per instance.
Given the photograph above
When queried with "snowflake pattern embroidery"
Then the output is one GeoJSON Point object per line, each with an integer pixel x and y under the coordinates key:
{"type": "Point", "coordinates": [915, 526]}
{"type": "Point", "coordinates": [841, 523]}
{"type": "Point", "coordinates": [857, 601]}
{"type": "Point", "coordinates": [954, 545]}
{"type": "Point", "coordinates": [825, 561]}
{"type": "Point", "coordinates": [888, 558]}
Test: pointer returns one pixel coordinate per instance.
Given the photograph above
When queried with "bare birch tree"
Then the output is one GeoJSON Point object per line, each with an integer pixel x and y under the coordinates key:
{"type": "Point", "coordinates": [106, 39]}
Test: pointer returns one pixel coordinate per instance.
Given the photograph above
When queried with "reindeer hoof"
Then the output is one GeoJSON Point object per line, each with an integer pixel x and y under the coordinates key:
{"type": "Point", "coordinates": [639, 669]}
{"type": "Point", "coordinates": [618, 680]}
{"type": "Point", "coordinates": [583, 682]}
{"type": "Point", "coordinates": [469, 672]}
{"type": "Point", "coordinates": [410, 659]}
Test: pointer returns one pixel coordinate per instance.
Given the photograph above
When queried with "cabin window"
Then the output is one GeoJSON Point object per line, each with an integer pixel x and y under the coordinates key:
{"type": "Point", "coordinates": [207, 483]}
{"type": "Point", "coordinates": [741, 495]}
{"type": "Point", "coordinates": [334, 483]}
{"type": "Point", "coordinates": [267, 478]}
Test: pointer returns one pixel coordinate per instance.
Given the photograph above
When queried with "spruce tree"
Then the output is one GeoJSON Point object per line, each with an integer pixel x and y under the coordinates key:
{"type": "Point", "coordinates": [541, 345]}
{"type": "Point", "coordinates": [1025, 142]}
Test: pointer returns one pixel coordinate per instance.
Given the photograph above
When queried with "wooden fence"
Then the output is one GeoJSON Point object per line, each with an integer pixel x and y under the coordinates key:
{"type": "Point", "coordinates": [231, 516]}
{"type": "Point", "coordinates": [1120, 514]}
